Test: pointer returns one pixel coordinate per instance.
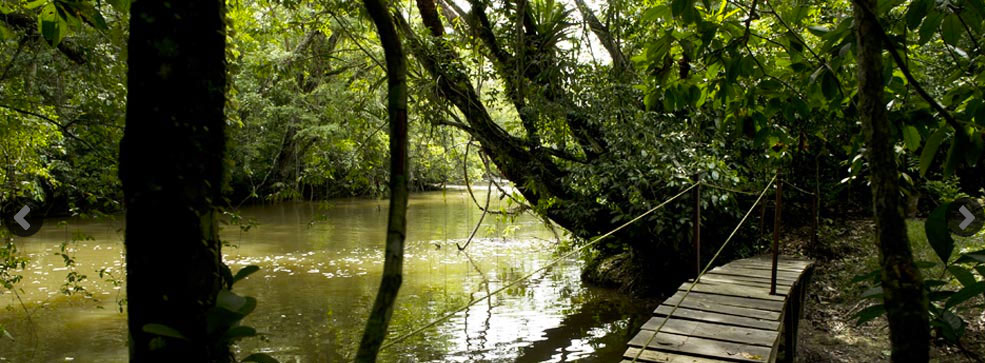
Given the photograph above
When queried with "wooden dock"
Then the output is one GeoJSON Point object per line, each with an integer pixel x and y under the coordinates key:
{"type": "Point", "coordinates": [729, 316]}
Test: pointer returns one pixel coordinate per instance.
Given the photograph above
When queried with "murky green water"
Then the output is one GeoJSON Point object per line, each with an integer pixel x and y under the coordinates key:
{"type": "Point", "coordinates": [320, 271]}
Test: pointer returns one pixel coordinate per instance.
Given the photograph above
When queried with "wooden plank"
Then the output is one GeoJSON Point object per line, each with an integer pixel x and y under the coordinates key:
{"type": "Point", "coordinates": [756, 271]}
{"type": "Point", "coordinates": [732, 290]}
{"type": "Point", "coordinates": [780, 275]}
{"type": "Point", "coordinates": [766, 266]}
{"type": "Point", "coordinates": [761, 280]}
{"type": "Point", "coordinates": [784, 259]}
{"type": "Point", "coordinates": [768, 261]}
{"type": "Point", "coordinates": [730, 280]}
{"type": "Point", "coordinates": [706, 330]}
{"type": "Point", "coordinates": [758, 304]}
{"type": "Point", "coordinates": [719, 318]}
{"type": "Point", "coordinates": [705, 305]}
{"type": "Point", "coordinates": [661, 357]}
{"type": "Point", "coordinates": [701, 347]}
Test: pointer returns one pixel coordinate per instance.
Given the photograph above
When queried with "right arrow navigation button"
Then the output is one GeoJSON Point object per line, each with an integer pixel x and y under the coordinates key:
{"type": "Point", "coordinates": [965, 217]}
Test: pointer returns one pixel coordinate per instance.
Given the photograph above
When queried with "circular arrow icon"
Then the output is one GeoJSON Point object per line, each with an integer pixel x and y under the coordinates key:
{"type": "Point", "coordinates": [965, 217]}
{"type": "Point", "coordinates": [25, 220]}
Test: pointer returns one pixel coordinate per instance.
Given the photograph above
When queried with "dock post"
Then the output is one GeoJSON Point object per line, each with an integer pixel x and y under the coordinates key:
{"type": "Point", "coordinates": [697, 226]}
{"type": "Point", "coordinates": [776, 229]}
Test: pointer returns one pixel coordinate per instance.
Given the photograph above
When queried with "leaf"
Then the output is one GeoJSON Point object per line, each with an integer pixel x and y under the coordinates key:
{"type": "Point", "coordinates": [244, 272]}
{"type": "Point", "coordinates": [656, 12]}
{"type": "Point", "coordinates": [929, 27]}
{"type": "Point", "coordinates": [870, 276]}
{"type": "Point", "coordinates": [954, 154]}
{"type": "Point", "coordinates": [869, 313]}
{"type": "Point", "coordinates": [873, 293]}
{"type": "Point", "coordinates": [939, 295]}
{"type": "Point", "coordinates": [35, 4]}
{"type": "Point", "coordinates": [240, 332]}
{"type": "Point", "coordinates": [92, 16]}
{"type": "Point", "coordinates": [951, 29]}
{"type": "Point", "coordinates": [951, 325]}
{"type": "Point", "coordinates": [50, 25]}
{"type": "Point", "coordinates": [915, 14]}
{"type": "Point", "coordinates": [963, 275]}
{"type": "Point", "coordinates": [829, 85]}
{"type": "Point", "coordinates": [972, 257]}
{"type": "Point", "coordinates": [121, 6]}
{"type": "Point", "coordinates": [5, 33]}
{"type": "Point", "coordinates": [818, 30]}
{"type": "Point", "coordinates": [229, 301]}
{"type": "Point", "coordinates": [911, 138]}
{"type": "Point", "coordinates": [163, 330]}
{"type": "Point", "coordinates": [930, 150]}
{"type": "Point", "coordinates": [964, 294]}
{"type": "Point", "coordinates": [678, 7]}
{"type": "Point", "coordinates": [260, 358]}
{"type": "Point", "coordinates": [937, 233]}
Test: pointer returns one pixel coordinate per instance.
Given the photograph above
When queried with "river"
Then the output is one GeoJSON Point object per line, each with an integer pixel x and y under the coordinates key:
{"type": "Point", "coordinates": [320, 268]}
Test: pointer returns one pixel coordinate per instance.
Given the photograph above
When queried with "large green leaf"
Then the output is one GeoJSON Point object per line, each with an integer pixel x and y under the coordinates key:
{"type": "Point", "coordinates": [51, 25]}
{"type": "Point", "coordinates": [938, 234]}
{"type": "Point", "coordinates": [951, 29]}
{"type": "Point", "coordinates": [911, 138]}
{"type": "Point", "coordinates": [678, 7]}
{"type": "Point", "coordinates": [916, 12]}
{"type": "Point", "coordinates": [829, 85]}
{"type": "Point", "coordinates": [965, 294]}
{"type": "Point", "coordinates": [244, 272]}
{"type": "Point", "coordinates": [972, 257]}
{"type": "Point", "coordinates": [929, 26]}
{"type": "Point", "coordinates": [870, 313]}
{"type": "Point", "coordinates": [963, 275]}
{"type": "Point", "coordinates": [930, 150]}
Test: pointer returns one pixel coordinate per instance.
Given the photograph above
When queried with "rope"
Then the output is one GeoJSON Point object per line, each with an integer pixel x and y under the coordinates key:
{"type": "Point", "coordinates": [698, 278]}
{"type": "Point", "coordinates": [527, 276]}
{"type": "Point", "coordinates": [795, 187]}
{"type": "Point", "coordinates": [733, 190]}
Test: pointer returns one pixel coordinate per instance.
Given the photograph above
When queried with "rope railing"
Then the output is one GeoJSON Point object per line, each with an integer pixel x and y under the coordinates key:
{"type": "Point", "coordinates": [542, 268]}
{"type": "Point", "coordinates": [703, 271]}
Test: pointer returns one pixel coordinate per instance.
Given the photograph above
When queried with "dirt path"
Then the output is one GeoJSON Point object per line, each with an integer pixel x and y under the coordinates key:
{"type": "Point", "coordinates": [828, 332]}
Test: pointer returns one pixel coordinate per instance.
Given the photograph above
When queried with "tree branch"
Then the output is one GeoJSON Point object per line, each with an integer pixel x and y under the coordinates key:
{"type": "Point", "coordinates": [605, 36]}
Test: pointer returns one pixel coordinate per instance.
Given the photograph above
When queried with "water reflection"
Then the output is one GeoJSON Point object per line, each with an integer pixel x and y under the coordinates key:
{"type": "Point", "coordinates": [320, 269]}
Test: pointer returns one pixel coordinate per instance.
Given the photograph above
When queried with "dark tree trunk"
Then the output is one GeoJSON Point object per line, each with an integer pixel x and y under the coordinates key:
{"type": "Point", "coordinates": [171, 167]}
{"type": "Point", "coordinates": [396, 70]}
{"type": "Point", "coordinates": [905, 301]}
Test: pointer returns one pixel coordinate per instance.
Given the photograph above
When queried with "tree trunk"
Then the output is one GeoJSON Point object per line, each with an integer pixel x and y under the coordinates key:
{"type": "Point", "coordinates": [905, 301]}
{"type": "Point", "coordinates": [396, 69]}
{"type": "Point", "coordinates": [171, 168]}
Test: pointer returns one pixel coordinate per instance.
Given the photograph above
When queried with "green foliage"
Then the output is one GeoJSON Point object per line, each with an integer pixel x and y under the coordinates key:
{"type": "Point", "coordinates": [959, 287]}
{"type": "Point", "coordinates": [224, 325]}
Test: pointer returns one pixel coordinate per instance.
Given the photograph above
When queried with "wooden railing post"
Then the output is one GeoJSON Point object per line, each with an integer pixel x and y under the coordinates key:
{"type": "Point", "coordinates": [697, 226]}
{"type": "Point", "coordinates": [776, 229]}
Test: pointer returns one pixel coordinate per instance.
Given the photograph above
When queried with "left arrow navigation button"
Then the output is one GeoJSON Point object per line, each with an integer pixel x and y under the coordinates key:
{"type": "Point", "coordinates": [26, 221]}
